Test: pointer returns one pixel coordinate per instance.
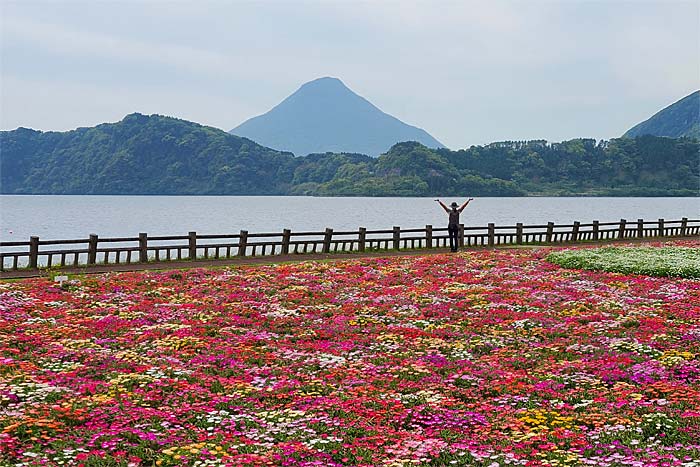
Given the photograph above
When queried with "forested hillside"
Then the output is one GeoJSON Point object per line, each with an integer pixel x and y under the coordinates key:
{"type": "Point", "coordinates": [680, 119]}
{"type": "Point", "coordinates": [162, 155]}
{"type": "Point", "coordinates": [140, 155]}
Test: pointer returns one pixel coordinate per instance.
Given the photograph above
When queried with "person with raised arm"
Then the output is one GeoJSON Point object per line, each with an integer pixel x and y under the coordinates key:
{"type": "Point", "coordinates": [453, 223]}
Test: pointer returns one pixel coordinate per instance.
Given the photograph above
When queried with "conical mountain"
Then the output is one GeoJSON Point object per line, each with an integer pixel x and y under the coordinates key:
{"type": "Point", "coordinates": [324, 115]}
{"type": "Point", "coordinates": [679, 119]}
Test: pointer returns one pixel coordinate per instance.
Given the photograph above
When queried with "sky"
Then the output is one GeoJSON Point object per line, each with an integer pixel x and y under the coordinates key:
{"type": "Point", "coordinates": [468, 72]}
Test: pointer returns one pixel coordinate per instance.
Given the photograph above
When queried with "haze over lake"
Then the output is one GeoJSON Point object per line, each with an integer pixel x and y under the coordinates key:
{"type": "Point", "coordinates": [63, 217]}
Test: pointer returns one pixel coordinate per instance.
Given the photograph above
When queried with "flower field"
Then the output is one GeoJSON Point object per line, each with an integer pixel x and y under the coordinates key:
{"type": "Point", "coordinates": [482, 358]}
{"type": "Point", "coordinates": [670, 261]}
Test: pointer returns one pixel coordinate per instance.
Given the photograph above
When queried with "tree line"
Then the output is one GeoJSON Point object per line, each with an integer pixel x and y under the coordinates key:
{"type": "Point", "coordinates": [162, 155]}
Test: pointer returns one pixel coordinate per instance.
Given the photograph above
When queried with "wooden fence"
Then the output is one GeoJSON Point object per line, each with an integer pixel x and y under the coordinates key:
{"type": "Point", "coordinates": [38, 253]}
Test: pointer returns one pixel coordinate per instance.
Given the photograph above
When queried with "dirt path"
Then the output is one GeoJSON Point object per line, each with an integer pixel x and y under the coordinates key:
{"type": "Point", "coordinates": [257, 260]}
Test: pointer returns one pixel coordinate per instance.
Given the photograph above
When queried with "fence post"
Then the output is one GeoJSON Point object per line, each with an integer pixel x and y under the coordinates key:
{"type": "Point", "coordinates": [362, 239]}
{"type": "Point", "coordinates": [92, 249]}
{"type": "Point", "coordinates": [286, 234]}
{"type": "Point", "coordinates": [327, 240]}
{"type": "Point", "coordinates": [662, 232]}
{"type": "Point", "coordinates": [242, 242]}
{"type": "Point", "coordinates": [397, 237]}
{"type": "Point", "coordinates": [428, 236]}
{"type": "Point", "coordinates": [550, 232]}
{"type": "Point", "coordinates": [596, 232]}
{"type": "Point", "coordinates": [684, 226]}
{"type": "Point", "coordinates": [492, 234]}
{"type": "Point", "coordinates": [519, 233]}
{"type": "Point", "coordinates": [33, 252]}
{"type": "Point", "coordinates": [143, 247]}
{"type": "Point", "coordinates": [623, 227]}
{"type": "Point", "coordinates": [574, 231]}
{"type": "Point", "coordinates": [640, 228]}
{"type": "Point", "coordinates": [192, 245]}
{"type": "Point", "coordinates": [460, 239]}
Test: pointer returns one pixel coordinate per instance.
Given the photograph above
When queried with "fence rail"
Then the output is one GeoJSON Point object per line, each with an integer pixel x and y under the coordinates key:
{"type": "Point", "coordinates": [38, 253]}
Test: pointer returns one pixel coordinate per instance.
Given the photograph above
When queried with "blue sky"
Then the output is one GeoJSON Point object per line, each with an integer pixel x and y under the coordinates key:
{"type": "Point", "coordinates": [468, 72]}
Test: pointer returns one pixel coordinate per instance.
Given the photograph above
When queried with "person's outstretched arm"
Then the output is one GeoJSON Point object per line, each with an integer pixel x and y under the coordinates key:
{"type": "Point", "coordinates": [443, 205]}
{"type": "Point", "coordinates": [465, 204]}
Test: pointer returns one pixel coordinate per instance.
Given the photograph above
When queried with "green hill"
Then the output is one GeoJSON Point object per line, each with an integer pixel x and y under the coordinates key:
{"type": "Point", "coordinates": [680, 119]}
{"type": "Point", "coordinates": [163, 155]}
{"type": "Point", "coordinates": [139, 155]}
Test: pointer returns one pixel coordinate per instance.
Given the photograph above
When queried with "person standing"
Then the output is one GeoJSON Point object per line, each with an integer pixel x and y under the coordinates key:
{"type": "Point", "coordinates": [453, 224]}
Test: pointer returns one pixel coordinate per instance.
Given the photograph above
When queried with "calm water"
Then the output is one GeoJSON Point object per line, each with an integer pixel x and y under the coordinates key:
{"type": "Point", "coordinates": [60, 217]}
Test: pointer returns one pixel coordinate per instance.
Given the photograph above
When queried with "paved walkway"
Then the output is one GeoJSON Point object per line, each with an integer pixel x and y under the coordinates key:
{"type": "Point", "coordinates": [257, 260]}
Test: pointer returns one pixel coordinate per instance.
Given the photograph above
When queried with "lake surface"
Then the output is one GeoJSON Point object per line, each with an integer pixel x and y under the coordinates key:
{"type": "Point", "coordinates": [64, 217]}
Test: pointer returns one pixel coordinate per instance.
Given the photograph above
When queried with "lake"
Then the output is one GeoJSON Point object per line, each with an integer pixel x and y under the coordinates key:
{"type": "Point", "coordinates": [63, 217]}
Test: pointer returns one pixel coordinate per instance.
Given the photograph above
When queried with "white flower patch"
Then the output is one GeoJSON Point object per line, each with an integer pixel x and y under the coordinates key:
{"type": "Point", "coordinates": [583, 348]}
{"type": "Point", "coordinates": [580, 379]}
{"type": "Point", "coordinates": [58, 366]}
{"type": "Point", "coordinates": [30, 391]}
{"type": "Point", "coordinates": [622, 345]}
{"type": "Point", "coordinates": [524, 324]}
{"type": "Point", "coordinates": [326, 360]}
{"type": "Point", "coordinates": [281, 312]}
{"type": "Point", "coordinates": [672, 261]}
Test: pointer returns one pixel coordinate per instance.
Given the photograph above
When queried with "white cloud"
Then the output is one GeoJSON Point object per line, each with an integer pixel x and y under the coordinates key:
{"type": "Point", "coordinates": [466, 71]}
{"type": "Point", "coordinates": [64, 41]}
{"type": "Point", "coordinates": [79, 105]}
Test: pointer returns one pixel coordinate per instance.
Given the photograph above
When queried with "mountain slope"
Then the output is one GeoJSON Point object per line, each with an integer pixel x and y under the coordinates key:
{"type": "Point", "coordinates": [679, 119]}
{"type": "Point", "coordinates": [325, 116]}
{"type": "Point", "coordinates": [139, 155]}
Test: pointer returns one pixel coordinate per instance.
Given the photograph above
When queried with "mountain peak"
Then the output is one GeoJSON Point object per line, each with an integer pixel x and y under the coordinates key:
{"type": "Point", "coordinates": [324, 115]}
{"type": "Point", "coordinates": [134, 116]}
{"type": "Point", "coordinates": [322, 88]}
{"type": "Point", "coordinates": [325, 81]}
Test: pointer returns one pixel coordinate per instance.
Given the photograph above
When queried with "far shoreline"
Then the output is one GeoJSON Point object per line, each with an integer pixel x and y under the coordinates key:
{"type": "Point", "coordinates": [612, 196]}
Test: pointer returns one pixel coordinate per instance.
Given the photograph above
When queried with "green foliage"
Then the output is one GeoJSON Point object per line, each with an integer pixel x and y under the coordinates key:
{"type": "Point", "coordinates": [645, 166]}
{"type": "Point", "coordinates": [162, 155]}
{"type": "Point", "coordinates": [666, 261]}
{"type": "Point", "coordinates": [140, 155]}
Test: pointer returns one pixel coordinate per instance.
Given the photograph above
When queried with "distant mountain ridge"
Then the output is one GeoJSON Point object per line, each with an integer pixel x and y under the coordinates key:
{"type": "Point", "coordinates": [324, 115]}
{"type": "Point", "coordinates": [149, 155]}
{"type": "Point", "coordinates": [140, 154]}
{"type": "Point", "coordinates": [680, 119]}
